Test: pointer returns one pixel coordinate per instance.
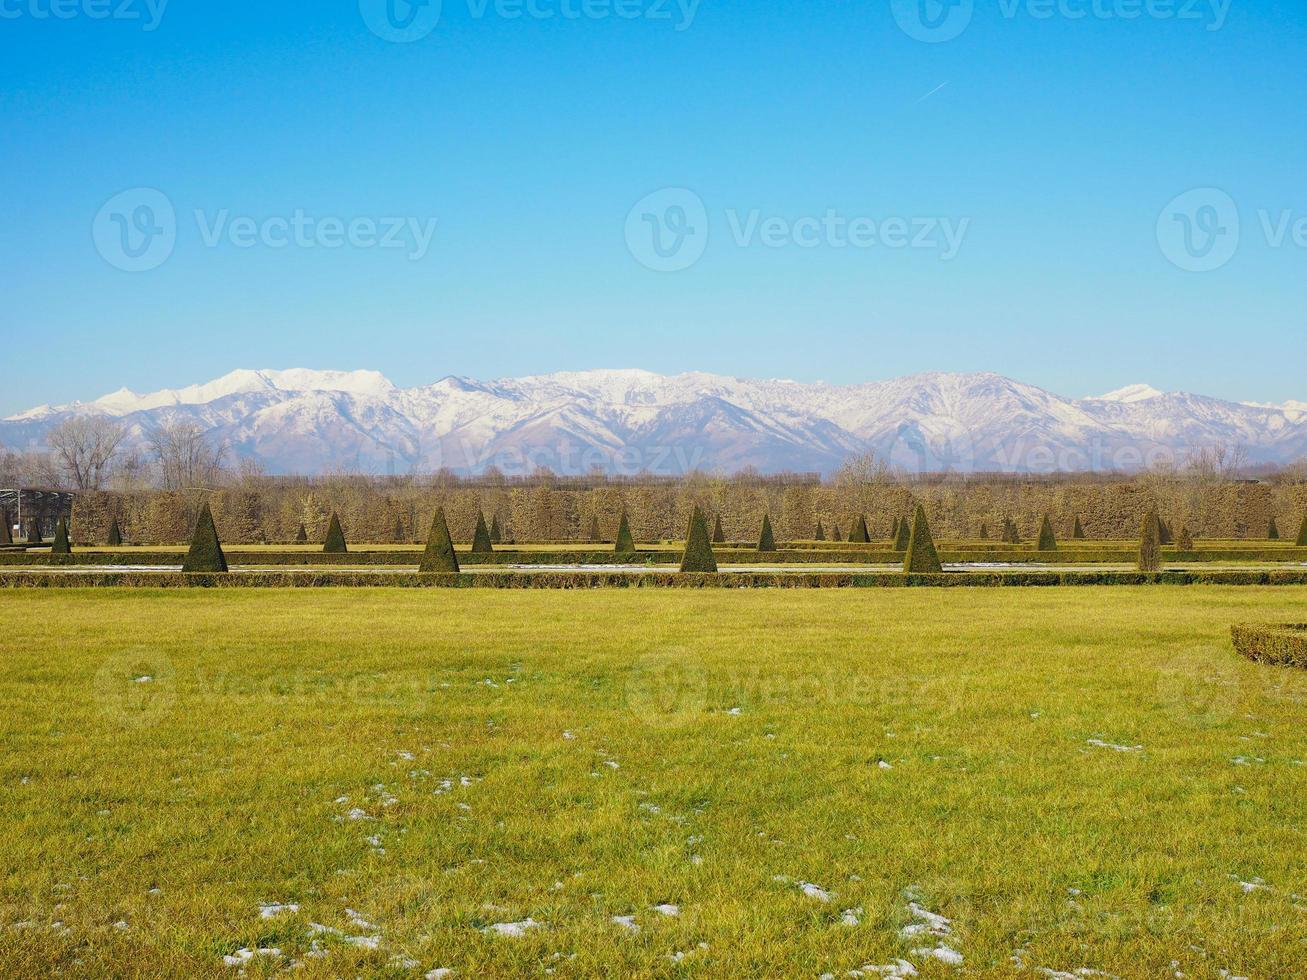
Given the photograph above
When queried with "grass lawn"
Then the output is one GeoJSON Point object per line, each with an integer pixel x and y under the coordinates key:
{"type": "Point", "coordinates": [738, 784]}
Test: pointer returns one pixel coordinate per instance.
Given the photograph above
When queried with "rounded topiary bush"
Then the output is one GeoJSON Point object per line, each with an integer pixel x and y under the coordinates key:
{"type": "Point", "coordinates": [1284, 645]}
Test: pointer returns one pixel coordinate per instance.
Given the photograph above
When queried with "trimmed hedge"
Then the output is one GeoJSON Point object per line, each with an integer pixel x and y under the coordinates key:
{"type": "Point", "coordinates": [597, 580]}
{"type": "Point", "coordinates": [205, 554]}
{"type": "Point", "coordinates": [1284, 646]}
{"type": "Point", "coordinates": [335, 542]}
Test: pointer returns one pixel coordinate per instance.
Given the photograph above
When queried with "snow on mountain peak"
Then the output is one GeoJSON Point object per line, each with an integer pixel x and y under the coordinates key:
{"type": "Point", "coordinates": [1130, 394]}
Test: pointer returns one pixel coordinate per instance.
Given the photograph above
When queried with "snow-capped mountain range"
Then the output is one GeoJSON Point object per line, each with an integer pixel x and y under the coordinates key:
{"type": "Point", "coordinates": [627, 421]}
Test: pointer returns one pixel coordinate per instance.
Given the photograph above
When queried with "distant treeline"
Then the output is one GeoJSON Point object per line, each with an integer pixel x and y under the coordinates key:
{"type": "Point", "coordinates": [380, 510]}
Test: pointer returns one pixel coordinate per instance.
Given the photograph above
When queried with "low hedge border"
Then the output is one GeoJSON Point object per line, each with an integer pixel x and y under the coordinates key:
{"type": "Point", "coordinates": [1281, 645]}
{"type": "Point", "coordinates": [603, 580]}
{"type": "Point", "coordinates": [20, 559]}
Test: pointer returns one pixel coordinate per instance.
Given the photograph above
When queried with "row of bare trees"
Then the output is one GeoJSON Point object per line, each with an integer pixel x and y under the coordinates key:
{"type": "Point", "coordinates": [87, 453]}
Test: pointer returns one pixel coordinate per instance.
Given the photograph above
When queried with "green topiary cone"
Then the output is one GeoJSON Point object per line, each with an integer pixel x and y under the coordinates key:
{"type": "Point", "coordinates": [206, 551]}
{"type": "Point", "coordinates": [835, 534]}
{"type": "Point", "coordinates": [904, 537]}
{"type": "Point", "coordinates": [115, 536]}
{"type": "Point", "coordinates": [496, 533]}
{"type": "Point", "coordinates": [821, 532]}
{"type": "Point", "coordinates": [1150, 544]}
{"type": "Point", "coordinates": [398, 535]}
{"type": "Point", "coordinates": [1047, 539]}
{"type": "Point", "coordinates": [1273, 531]}
{"type": "Point", "coordinates": [596, 535]}
{"type": "Point", "coordinates": [61, 544]}
{"type": "Point", "coordinates": [625, 543]}
{"type": "Point", "coordinates": [922, 558]}
{"type": "Point", "coordinates": [1302, 533]}
{"type": "Point", "coordinates": [1078, 531]}
{"type": "Point", "coordinates": [858, 534]}
{"type": "Point", "coordinates": [302, 536]}
{"type": "Point", "coordinates": [439, 556]}
{"type": "Point", "coordinates": [984, 532]}
{"type": "Point", "coordinates": [481, 543]}
{"type": "Point", "coordinates": [698, 549]}
{"type": "Point", "coordinates": [719, 534]}
{"type": "Point", "coordinates": [766, 539]}
{"type": "Point", "coordinates": [335, 542]}
{"type": "Point", "coordinates": [6, 529]}
{"type": "Point", "coordinates": [1185, 542]}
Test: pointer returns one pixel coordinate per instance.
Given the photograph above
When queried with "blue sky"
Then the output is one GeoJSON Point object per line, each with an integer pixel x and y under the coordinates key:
{"type": "Point", "coordinates": [1050, 145]}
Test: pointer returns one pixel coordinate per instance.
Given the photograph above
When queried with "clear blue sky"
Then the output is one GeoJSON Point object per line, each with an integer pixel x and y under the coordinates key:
{"type": "Point", "coordinates": [1060, 140]}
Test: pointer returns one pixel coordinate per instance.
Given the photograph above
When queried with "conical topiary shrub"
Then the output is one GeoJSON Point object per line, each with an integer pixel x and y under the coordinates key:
{"type": "Point", "coordinates": [625, 543]}
{"type": "Point", "coordinates": [894, 531]}
{"type": "Point", "coordinates": [496, 532]}
{"type": "Point", "coordinates": [1272, 531]}
{"type": "Point", "coordinates": [1047, 539]}
{"type": "Point", "coordinates": [115, 536]}
{"type": "Point", "coordinates": [904, 537]}
{"type": "Point", "coordinates": [766, 540]}
{"type": "Point", "coordinates": [836, 534]}
{"type": "Point", "coordinates": [481, 543]}
{"type": "Point", "coordinates": [1164, 531]}
{"type": "Point", "coordinates": [922, 558]}
{"type": "Point", "coordinates": [1078, 530]}
{"type": "Point", "coordinates": [206, 551]}
{"type": "Point", "coordinates": [984, 532]}
{"type": "Point", "coordinates": [34, 535]}
{"type": "Point", "coordinates": [1302, 533]}
{"type": "Point", "coordinates": [439, 556]}
{"type": "Point", "coordinates": [302, 535]}
{"type": "Point", "coordinates": [858, 534]}
{"type": "Point", "coordinates": [7, 531]}
{"type": "Point", "coordinates": [398, 535]}
{"type": "Point", "coordinates": [1185, 542]}
{"type": "Point", "coordinates": [821, 533]}
{"type": "Point", "coordinates": [596, 535]}
{"type": "Point", "coordinates": [61, 544]}
{"type": "Point", "coordinates": [1010, 533]}
{"type": "Point", "coordinates": [1150, 544]}
{"type": "Point", "coordinates": [335, 542]}
{"type": "Point", "coordinates": [698, 549]}
{"type": "Point", "coordinates": [718, 532]}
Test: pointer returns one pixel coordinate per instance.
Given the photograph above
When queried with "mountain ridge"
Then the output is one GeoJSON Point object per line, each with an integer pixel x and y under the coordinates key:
{"type": "Point", "coordinates": [631, 420]}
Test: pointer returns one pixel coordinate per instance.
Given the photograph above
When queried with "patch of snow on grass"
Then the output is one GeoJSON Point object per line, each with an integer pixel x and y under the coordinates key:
{"type": "Point", "coordinates": [671, 911]}
{"type": "Point", "coordinates": [627, 922]}
{"type": "Point", "coordinates": [271, 910]}
{"type": "Point", "coordinates": [512, 930]}
{"type": "Point", "coordinates": [1100, 744]}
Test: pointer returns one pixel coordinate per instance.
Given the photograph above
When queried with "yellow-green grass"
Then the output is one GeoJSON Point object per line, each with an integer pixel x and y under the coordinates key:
{"type": "Point", "coordinates": [175, 806]}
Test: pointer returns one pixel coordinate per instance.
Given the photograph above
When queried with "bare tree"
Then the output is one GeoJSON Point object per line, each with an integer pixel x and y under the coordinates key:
{"type": "Point", "coordinates": [84, 447]}
{"type": "Point", "coordinates": [187, 459]}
